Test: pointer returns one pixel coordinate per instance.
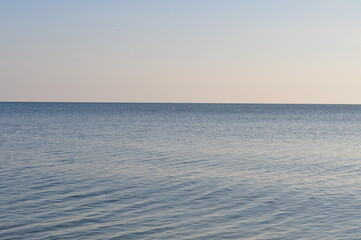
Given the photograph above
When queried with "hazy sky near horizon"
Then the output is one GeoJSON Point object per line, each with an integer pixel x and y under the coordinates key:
{"type": "Point", "coordinates": [255, 51]}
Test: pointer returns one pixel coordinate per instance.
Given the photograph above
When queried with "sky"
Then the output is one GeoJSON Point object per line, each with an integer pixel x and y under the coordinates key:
{"type": "Point", "coordinates": [229, 51]}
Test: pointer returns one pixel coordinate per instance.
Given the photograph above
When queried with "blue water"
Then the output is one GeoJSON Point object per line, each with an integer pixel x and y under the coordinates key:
{"type": "Point", "coordinates": [179, 171]}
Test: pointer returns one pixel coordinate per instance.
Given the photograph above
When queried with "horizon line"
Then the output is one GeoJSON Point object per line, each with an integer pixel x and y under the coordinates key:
{"type": "Point", "coordinates": [244, 103]}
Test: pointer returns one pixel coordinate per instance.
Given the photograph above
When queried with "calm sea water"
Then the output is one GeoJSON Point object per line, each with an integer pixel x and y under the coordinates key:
{"type": "Point", "coordinates": [179, 171]}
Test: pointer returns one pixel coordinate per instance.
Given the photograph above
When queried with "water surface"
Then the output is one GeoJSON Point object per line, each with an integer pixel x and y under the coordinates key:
{"type": "Point", "coordinates": [179, 171]}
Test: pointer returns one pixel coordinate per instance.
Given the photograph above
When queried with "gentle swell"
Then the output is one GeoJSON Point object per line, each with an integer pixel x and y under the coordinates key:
{"type": "Point", "coordinates": [179, 171]}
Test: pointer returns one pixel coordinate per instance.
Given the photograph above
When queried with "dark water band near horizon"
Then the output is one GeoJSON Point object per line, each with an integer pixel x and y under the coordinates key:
{"type": "Point", "coordinates": [179, 171]}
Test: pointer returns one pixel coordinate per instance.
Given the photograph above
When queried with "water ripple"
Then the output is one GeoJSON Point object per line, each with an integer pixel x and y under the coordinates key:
{"type": "Point", "coordinates": [179, 171]}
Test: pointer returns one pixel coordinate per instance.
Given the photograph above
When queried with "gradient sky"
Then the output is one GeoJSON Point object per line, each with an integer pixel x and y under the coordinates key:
{"type": "Point", "coordinates": [280, 51]}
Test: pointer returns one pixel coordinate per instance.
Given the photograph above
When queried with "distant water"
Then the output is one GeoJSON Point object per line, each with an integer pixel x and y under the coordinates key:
{"type": "Point", "coordinates": [179, 171]}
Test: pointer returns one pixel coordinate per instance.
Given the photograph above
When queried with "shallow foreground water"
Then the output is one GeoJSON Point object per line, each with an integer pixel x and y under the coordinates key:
{"type": "Point", "coordinates": [179, 171]}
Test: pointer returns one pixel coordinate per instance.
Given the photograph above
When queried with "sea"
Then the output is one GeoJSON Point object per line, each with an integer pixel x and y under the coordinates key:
{"type": "Point", "coordinates": [179, 171]}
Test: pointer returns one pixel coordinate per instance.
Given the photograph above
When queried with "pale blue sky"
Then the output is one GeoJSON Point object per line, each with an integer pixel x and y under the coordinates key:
{"type": "Point", "coordinates": [280, 51]}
